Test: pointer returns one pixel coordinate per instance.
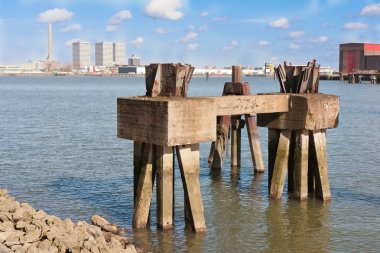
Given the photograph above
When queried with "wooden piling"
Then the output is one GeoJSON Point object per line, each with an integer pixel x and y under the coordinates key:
{"type": "Point", "coordinates": [223, 125]}
{"type": "Point", "coordinates": [236, 87]}
{"type": "Point", "coordinates": [144, 188]}
{"type": "Point", "coordinates": [322, 186]}
{"type": "Point", "coordinates": [164, 184]}
{"type": "Point", "coordinates": [235, 142]}
{"type": "Point", "coordinates": [280, 165]}
{"type": "Point", "coordinates": [273, 137]}
{"type": "Point", "coordinates": [236, 131]}
{"type": "Point", "coordinates": [188, 157]}
{"type": "Point", "coordinates": [254, 143]}
{"type": "Point", "coordinates": [292, 146]}
{"type": "Point", "coordinates": [301, 158]}
{"type": "Point", "coordinates": [137, 152]}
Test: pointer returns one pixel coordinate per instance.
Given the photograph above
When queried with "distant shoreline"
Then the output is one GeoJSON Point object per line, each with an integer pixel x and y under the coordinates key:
{"type": "Point", "coordinates": [107, 74]}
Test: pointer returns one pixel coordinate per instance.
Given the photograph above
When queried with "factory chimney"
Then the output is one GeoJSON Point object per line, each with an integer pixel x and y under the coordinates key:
{"type": "Point", "coordinates": [50, 46]}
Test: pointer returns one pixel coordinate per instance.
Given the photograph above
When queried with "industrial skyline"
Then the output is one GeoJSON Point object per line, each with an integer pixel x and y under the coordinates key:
{"type": "Point", "coordinates": [202, 33]}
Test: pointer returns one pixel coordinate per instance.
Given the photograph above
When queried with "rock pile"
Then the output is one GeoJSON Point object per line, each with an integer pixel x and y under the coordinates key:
{"type": "Point", "coordinates": [23, 229]}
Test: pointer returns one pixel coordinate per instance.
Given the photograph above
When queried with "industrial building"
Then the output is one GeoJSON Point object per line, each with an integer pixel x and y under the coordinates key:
{"type": "Point", "coordinates": [104, 54]}
{"type": "Point", "coordinates": [81, 55]}
{"type": "Point", "coordinates": [359, 56]}
{"type": "Point", "coordinates": [119, 53]}
{"type": "Point", "coordinates": [134, 61]}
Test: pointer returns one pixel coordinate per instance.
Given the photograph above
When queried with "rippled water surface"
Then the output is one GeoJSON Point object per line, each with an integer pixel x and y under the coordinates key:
{"type": "Point", "coordinates": [59, 152]}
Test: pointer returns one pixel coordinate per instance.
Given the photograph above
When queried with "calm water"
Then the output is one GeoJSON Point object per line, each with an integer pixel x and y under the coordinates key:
{"type": "Point", "coordinates": [59, 152]}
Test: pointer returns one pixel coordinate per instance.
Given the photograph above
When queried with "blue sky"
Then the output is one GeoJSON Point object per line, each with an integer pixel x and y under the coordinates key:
{"type": "Point", "coordinates": [208, 32]}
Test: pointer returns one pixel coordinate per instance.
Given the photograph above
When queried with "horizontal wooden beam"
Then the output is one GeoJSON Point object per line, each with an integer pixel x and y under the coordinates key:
{"type": "Point", "coordinates": [166, 120]}
{"type": "Point", "coordinates": [306, 112]}
{"type": "Point", "coordinates": [178, 121]}
{"type": "Point", "coordinates": [240, 105]}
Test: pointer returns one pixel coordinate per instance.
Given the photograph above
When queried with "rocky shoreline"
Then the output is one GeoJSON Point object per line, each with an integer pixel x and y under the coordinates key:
{"type": "Point", "coordinates": [23, 229]}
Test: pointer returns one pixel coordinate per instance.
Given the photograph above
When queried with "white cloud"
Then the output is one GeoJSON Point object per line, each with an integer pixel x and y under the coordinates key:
{"type": "Point", "coordinates": [219, 19]}
{"type": "Point", "coordinates": [204, 14]}
{"type": "Point", "coordinates": [54, 15]}
{"type": "Point", "coordinates": [320, 39]}
{"type": "Point", "coordinates": [355, 26]}
{"type": "Point", "coordinates": [161, 30]}
{"type": "Point", "coordinates": [69, 28]}
{"type": "Point", "coordinates": [192, 46]}
{"type": "Point", "coordinates": [295, 34]}
{"type": "Point", "coordinates": [371, 10]}
{"type": "Point", "coordinates": [190, 27]}
{"type": "Point", "coordinates": [111, 28]}
{"type": "Point", "coordinates": [293, 46]}
{"type": "Point", "coordinates": [119, 17]}
{"type": "Point", "coordinates": [262, 43]}
{"type": "Point", "coordinates": [203, 28]}
{"type": "Point", "coordinates": [189, 36]}
{"type": "Point", "coordinates": [232, 45]}
{"type": "Point", "coordinates": [138, 41]}
{"type": "Point", "coordinates": [165, 9]}
{"type": "Point", "coordinates": [282, 23]}
{"type": "Point", "coordinates": [69, 43]}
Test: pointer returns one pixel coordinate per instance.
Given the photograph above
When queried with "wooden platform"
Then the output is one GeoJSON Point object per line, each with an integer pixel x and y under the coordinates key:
{"type": "Point", "coordinates": [166, 125]}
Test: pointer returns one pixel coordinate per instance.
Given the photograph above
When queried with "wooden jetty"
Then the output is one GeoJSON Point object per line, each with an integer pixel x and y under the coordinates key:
{"type": "Point", "coordinates": [165, 122]}
{"type": "Point", "coordinates": [372, 76]}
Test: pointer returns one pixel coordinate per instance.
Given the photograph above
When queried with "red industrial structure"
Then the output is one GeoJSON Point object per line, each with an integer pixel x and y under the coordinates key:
{"type": "Point", "coordinates": [358, 56]}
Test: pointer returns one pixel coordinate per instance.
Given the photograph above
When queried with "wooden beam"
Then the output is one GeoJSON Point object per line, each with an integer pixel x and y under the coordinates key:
{"type": "Point", "coordinates": [239, 105]}
{"type": "Point", "coordinates": [166, 121]}
{"type": "Point", "coordinates": [306, 111]}
{"type": "Point", "coordinates": [280, 165]}
{"type": "Point", "coordinates": [177, 121]}
{"type": "Point", "coordinates": [164, 184]}
{"type": "Point", "coordinates": [188, 157]}
{"type": "Point", "coordinates": [144, 189]}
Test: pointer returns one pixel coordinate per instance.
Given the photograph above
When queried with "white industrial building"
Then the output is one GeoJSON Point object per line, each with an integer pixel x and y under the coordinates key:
{"type": "Point", "coordinates": [104, 54]}
{"type": "Point", "coordinates": [119, 53]}
{"type": "Point", "coordinates": [81, 55]}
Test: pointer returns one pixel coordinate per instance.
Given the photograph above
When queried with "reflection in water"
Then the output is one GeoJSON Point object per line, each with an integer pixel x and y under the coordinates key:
{"type": "Point", "coordinates": [257, 183]}
{"type": "Point", "coordinates": [297, 226]}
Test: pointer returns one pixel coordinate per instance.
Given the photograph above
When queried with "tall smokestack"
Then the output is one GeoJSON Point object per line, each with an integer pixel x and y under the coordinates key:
{"type": "Point", "coordinates": [50, 46]}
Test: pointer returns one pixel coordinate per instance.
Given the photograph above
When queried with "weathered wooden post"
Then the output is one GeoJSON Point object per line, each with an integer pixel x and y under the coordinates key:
{"type": "Point", "coordinates": [295, 147]}
{"type": "Point", "coordinates": [236, 125]}
{"type": "Point", "coordinates": [154, 162]}
{"type": "Point", "coordinates": [225, 122]}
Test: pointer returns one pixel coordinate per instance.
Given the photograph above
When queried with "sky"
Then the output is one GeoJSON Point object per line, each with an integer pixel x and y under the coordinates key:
{"type": "Point", "coordinates": [198, 32]}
